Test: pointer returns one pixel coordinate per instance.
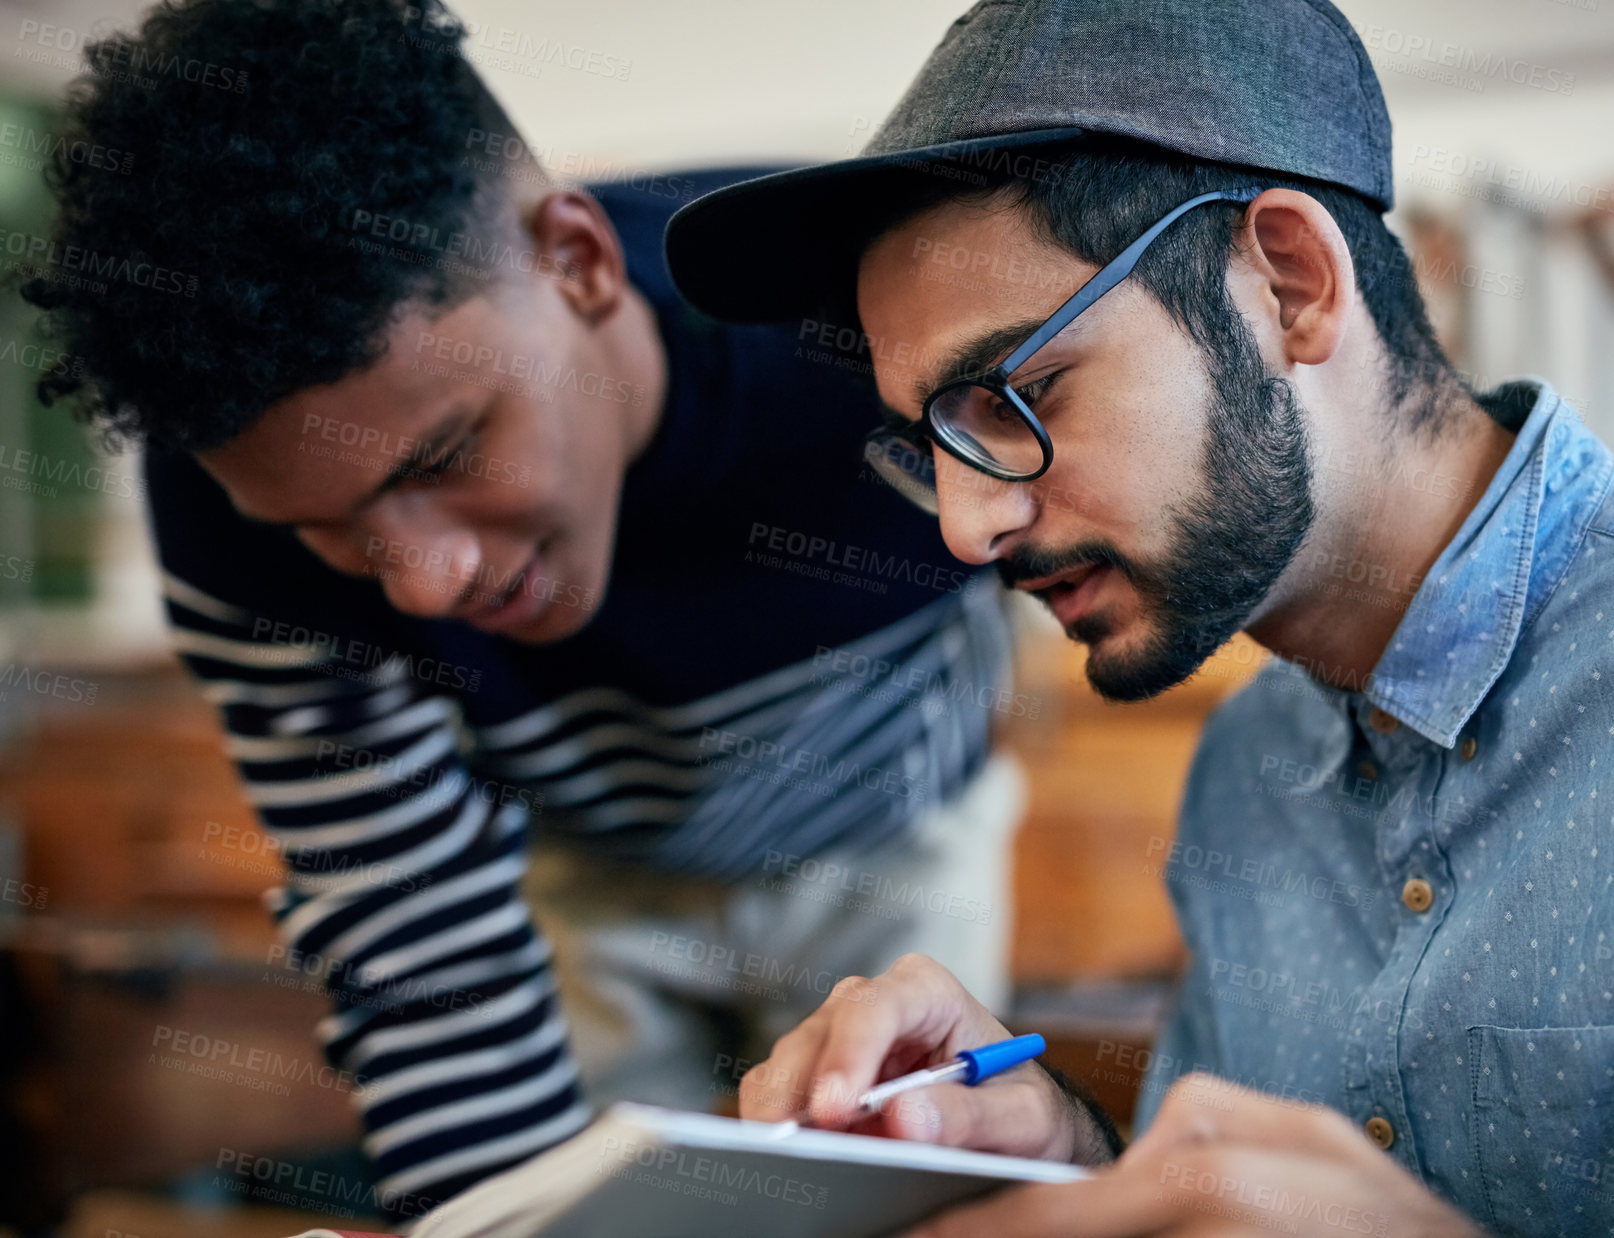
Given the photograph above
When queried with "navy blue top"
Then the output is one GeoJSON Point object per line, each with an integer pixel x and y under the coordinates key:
{"type": "Point", "coordinates": [733, 694]}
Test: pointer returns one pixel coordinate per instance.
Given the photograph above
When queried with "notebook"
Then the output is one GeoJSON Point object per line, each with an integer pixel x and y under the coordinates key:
{"type": "Point", "coordinates": [643, 1172]}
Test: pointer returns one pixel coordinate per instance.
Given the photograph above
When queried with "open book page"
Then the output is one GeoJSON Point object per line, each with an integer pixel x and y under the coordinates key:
{"type": "Point", "coordinates": [642, 1172]}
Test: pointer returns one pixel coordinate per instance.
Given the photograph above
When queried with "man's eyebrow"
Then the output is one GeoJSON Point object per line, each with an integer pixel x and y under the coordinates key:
{"type": "Point", "coordinates": [428, 448]}
{"type": "Point", "coordinates": [974, 357]}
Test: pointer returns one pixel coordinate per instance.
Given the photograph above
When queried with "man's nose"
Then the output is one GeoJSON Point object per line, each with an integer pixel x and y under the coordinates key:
{"type": "Point", "coordinates": [424, 573]}
{"type": "Point", "coordinates": [982, 518]}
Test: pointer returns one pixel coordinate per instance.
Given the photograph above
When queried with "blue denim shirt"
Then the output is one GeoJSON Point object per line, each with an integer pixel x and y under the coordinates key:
{"type": "Point", "coordinates": [1400, 900]}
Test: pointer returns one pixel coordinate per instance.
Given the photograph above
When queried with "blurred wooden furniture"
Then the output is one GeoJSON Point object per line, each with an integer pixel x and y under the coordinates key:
{"type": "Point", "coordinates": [145, 940]}
{"type": "Point", "coordinates": [109, 1214]}
{"type": "Point", "coordinates": [126, 802]}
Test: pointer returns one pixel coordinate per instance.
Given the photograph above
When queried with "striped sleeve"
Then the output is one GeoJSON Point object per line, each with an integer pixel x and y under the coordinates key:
{"type": "Point", "coordinates": [402, 890]}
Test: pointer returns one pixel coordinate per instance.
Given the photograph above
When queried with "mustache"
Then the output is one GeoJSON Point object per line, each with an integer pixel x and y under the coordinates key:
{"type": "Point", "coordinates": [1036, 563]}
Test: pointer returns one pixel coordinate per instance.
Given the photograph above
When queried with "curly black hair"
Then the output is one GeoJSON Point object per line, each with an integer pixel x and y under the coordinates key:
{"type": "Point", "coordinates": [268, 138]}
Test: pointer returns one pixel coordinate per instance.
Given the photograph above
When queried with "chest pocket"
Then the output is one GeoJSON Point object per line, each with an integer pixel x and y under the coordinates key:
{"type": "Point", "coordinates": [1544, 1128]}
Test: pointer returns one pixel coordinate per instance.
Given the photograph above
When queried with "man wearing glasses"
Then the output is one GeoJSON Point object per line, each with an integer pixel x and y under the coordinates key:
{"type": "Point", "coordinates": [1399, 1016]}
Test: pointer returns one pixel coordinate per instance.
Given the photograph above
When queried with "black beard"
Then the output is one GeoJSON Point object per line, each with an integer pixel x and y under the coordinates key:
{"type": "Point", "coordinates": [1228, 548]}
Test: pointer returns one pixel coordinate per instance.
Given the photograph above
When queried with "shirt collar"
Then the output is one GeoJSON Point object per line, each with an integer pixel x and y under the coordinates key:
{"type": "Point", "coordinates": [1463, 623]}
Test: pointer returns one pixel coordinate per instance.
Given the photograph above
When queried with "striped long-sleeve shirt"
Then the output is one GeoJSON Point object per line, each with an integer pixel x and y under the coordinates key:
{"type": "Point", "coordinates": [787, 659]}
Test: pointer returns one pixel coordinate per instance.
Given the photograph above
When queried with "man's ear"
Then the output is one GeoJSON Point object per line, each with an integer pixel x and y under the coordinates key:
{"type": "Point", "coordinates": [579, 250]}
{"type": "Point", "coordinates": [1297, 257]}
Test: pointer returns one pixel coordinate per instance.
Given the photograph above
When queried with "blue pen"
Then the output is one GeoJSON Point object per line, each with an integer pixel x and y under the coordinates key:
{"type": "Point", "coordinates": [970, 1067]}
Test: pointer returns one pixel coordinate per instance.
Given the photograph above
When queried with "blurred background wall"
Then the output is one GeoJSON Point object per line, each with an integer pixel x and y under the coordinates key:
{"type": "Point", "coordinates": [130, 871]}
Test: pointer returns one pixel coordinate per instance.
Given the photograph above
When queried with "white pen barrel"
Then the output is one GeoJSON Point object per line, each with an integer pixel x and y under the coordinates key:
{"type": "Point", "coordinates": [877, 1096]}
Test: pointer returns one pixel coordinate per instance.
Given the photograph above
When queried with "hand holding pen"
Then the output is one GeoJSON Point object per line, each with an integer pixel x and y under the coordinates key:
{"type": "Point", "coordinates": [969, 1067]}
{"type": "Point", "coordinates": [890, 1024]}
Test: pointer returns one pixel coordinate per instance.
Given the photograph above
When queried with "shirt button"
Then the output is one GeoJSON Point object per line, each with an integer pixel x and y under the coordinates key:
{"type": "Point", "coordinates": [1419, 895]}
{"type": "Point", "coordinates": [1380, 1132]}
{"type": "Point", "coordinates": [1470, 747]}
{"type": "Point", "coordinates": [1381, 722]}
{"type": "Point", "coordinates": [1368, 770]}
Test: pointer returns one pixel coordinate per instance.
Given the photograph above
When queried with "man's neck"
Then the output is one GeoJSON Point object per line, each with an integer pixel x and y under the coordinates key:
{"type": "Point", "coordinates": [1386, 512]}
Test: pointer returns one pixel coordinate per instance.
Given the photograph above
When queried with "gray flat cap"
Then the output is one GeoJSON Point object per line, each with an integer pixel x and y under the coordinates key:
{"type": "Point", "coordinates": [1280, 85]}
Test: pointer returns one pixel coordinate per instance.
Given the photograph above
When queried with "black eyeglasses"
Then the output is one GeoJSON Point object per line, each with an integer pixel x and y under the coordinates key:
{"type": "Point", "coordinates": [983, 421]}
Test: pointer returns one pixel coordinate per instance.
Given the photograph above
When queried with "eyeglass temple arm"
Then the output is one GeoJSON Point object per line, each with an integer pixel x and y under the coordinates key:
{"type": "Point", "coordinates": [1112, 273]}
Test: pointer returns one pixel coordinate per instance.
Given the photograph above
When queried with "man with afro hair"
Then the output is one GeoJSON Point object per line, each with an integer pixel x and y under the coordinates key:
{"type": "Point", "coordinates": [522, 587]}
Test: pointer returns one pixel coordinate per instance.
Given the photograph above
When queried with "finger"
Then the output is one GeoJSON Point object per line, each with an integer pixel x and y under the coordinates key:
{"type": "Point", "coordinates": [1259, 1190]}
{"type": "Point", "coordinates": [1202, 1109]}
{"type": "Point", "coordinates": [918, 1007]}
{"type": "Point", "coordinates": [1008, 1115]}
{"type": "Point", "coordinates": [775, 1090]}
{"type": "Point", "coordinates": [792, 1082]}
{"type": "Point", "coordinates": [786, 1084]}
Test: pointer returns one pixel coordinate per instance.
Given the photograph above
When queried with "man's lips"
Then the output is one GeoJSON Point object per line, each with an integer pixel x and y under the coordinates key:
{"type": "Point", "coordinates": [1070, 576]}
{"type": "Point", "coordinates": [508, 606]}
{"type": "Point", "coordinates": [1070, 594]}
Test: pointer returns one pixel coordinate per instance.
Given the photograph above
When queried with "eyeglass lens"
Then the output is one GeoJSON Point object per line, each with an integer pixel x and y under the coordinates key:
{"type": "Point", "coordinates": [982, 424]}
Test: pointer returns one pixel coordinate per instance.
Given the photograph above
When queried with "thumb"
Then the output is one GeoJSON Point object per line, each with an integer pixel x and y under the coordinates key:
{"type": "Point", "coordinates": [1006, 1116]}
